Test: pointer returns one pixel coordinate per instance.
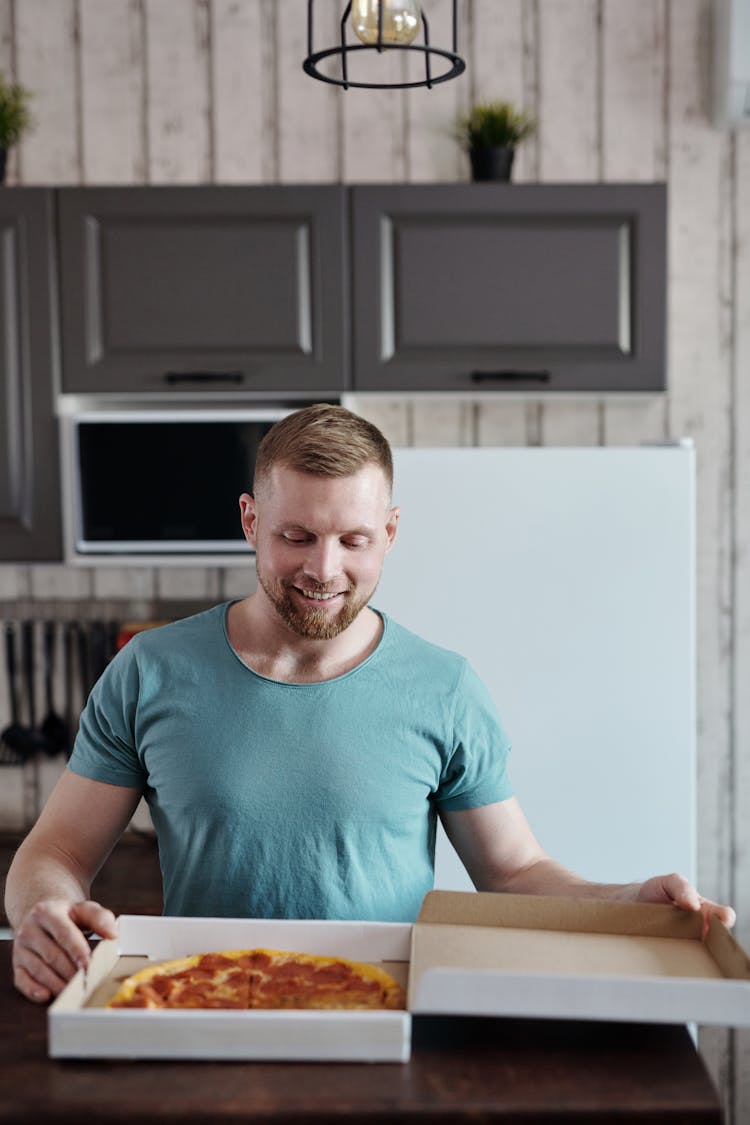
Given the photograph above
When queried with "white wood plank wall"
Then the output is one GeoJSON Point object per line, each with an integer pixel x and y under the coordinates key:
{"type": "Point", "coordinates": [186, 91]}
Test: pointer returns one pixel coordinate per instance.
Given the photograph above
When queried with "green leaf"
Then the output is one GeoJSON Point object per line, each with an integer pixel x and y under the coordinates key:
{"type": "Point", "coordinates": [15, 118]}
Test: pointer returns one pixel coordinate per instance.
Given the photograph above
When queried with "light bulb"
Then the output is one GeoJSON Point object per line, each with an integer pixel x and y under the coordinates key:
{"type": "Point", "coordinates": [400, 20]}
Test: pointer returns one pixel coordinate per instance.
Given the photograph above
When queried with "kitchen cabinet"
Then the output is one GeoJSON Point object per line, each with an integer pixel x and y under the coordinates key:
{"type": "Point", "coordinates": [296, 292]}
{"type": "Point", "coordinates": [30, 525]}
{"type": "Point", "coordinates": [170, 289]}
{"type": "Point", "coordinates": [456, 287]}
{"type": "Point", "coordinates": [509, 287]}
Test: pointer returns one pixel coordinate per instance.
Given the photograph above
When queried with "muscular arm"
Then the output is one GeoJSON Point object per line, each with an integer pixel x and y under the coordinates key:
{"type": "Point", "coordinates": [501, 853]}
{"type": "Point", "coordinates": [48, 885]}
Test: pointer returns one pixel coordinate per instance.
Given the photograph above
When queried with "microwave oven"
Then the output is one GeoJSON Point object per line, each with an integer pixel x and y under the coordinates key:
{"type": "Point", "coordinates": [158, 485]}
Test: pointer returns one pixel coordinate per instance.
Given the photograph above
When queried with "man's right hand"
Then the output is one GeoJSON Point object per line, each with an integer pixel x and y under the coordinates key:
{"type": "Point", "coordinates": [49, 946]}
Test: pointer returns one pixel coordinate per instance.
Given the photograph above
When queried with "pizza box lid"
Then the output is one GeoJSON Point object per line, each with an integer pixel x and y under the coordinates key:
{"type": "Point", "coordinates": [540, 956]}
{"type": "Point", "coordinates": [81, 1026]}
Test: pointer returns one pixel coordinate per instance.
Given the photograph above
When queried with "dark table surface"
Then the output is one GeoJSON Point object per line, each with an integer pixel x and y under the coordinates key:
{"type": "Point", "coordinates": [473, 1070]}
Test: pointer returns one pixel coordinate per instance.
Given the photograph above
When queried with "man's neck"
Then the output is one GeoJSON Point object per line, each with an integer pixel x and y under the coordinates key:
{"type": "Point", "coordinates": [272, 649]}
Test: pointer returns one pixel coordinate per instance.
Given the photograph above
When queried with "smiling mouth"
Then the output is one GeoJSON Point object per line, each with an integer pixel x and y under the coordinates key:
{"type": "Point", "coordinates": [316, 595]}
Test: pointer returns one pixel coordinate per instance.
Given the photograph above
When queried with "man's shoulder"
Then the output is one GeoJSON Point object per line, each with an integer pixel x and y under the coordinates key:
{"type": "Point", "coordinates": [413, 646]}
{"type": "Point", "coordinates": [195, 628]}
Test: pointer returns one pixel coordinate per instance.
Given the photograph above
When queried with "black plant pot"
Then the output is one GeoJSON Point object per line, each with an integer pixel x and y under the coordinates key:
{"type": "Point", "coordinates": [491, 163]}
{"type": "Point", "coordinates": [3, 160]}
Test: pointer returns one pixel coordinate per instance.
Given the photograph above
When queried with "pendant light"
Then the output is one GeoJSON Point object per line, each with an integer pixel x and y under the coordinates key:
{"type": "Point", "coordinates": [384, 25]}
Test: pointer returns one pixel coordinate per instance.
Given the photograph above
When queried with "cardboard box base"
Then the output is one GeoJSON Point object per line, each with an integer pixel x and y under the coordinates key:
{"type": "Point", "coordinates": [81, 1026]}
{"type": "Point", "coordinates": [303, 1036]}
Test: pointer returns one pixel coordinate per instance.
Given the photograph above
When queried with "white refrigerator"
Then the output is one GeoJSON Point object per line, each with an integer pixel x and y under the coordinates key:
{"type": "Point", "coordinates": [567, 577]}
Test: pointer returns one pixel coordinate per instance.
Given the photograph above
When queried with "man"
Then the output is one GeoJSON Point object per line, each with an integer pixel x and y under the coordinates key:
{"type": "Point", "coordinates": [295, 747]}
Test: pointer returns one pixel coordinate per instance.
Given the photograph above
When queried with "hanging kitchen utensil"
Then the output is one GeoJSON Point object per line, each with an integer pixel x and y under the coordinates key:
{"type": "Point", "coordinates": [113, 631]}
{"type": "Point", "coordinates": [71, 713]}
{"type": "Point", "coordinates": [97, 649]}
{"type": "Point", "coordinates": [84, 664]}
{"type": "Point", "coordinates": [29, 677]}
{"type": "Point", "coordinates": [13, 740]}
{"type": "Point", "coordinates": [54, 727]}
{"type": "Point", "coordinates": [26, 741]}
{"type": "Point", "coordinates": [32, 781]}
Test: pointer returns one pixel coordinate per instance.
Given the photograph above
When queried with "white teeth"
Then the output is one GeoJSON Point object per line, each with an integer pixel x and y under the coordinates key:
{"type": "Point", "coordinates": [317, 597]}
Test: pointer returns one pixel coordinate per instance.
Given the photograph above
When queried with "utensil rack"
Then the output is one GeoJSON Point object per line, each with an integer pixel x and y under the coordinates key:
{"type": "Point", "coordinates": [63, 647]}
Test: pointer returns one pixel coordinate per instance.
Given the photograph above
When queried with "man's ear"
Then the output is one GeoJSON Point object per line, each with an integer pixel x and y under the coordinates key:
{"type": "Point", "coordinates": [391, 527]}
{"type": "Point", "coordinates": [249, 517]}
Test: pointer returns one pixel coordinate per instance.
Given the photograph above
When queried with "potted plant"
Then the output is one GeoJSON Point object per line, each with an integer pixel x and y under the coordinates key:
{"type": "Point", "coordinates": [14, 118]}
{"type": "Point", "coordinates": [490, 132]}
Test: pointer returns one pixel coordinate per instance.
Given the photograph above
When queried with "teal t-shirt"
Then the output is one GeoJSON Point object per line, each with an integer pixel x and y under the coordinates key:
{"type": "Point", "coordinates": [280, 800]}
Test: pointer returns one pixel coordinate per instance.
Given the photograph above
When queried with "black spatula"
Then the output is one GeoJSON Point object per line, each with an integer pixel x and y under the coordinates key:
{"type": "Point", "coordinates": [37, 741]}
{"type": "Point", "coordinates": [54, 728]}
{"type": "Point", "coordinates": [10, 752]}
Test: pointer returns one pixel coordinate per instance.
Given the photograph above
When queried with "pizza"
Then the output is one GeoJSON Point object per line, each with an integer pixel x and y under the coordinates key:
{"type": "Point", "coordinates": [259, 978]}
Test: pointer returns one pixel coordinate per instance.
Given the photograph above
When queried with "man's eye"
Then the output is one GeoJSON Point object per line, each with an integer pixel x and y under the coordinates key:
{"type": "Point", "coordinates": [295, 538]}
{"type": "Point", "coordinates": [354, 543]}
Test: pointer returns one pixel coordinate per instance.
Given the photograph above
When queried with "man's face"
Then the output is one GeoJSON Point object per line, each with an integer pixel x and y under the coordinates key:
{"type": "Point", "coordinates": [320, 544]}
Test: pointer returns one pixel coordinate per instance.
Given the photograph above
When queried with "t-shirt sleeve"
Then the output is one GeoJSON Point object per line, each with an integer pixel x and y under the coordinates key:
{"type": "Point", "coordinates": [476, 771]}
{"type": "Point", "coordinates": [105, 746]}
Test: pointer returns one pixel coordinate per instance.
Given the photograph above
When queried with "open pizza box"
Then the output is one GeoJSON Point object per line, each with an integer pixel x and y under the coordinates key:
{"type": "Point", "coordinates": [467, 954]}
{"type": "Point", "coordinates": [80, 1025]}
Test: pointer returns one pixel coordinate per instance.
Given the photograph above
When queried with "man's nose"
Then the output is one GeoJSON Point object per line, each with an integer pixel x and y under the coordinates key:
{"type": "Point", "coordinates": [323, 560]}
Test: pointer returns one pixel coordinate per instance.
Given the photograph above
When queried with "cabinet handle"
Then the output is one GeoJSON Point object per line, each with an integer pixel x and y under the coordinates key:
{"type": "Point", "coordinates": [510, 376]}
{"type": "Point", "coordinates": [204, 377]}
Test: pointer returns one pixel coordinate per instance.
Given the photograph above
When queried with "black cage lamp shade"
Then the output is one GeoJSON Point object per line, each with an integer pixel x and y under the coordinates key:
{"type": "Point", "coordinates": [384, 25]}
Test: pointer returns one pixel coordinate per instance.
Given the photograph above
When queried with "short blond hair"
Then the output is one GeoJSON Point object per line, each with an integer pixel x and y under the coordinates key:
{"type": "Point", "coordinates": [325, 440]}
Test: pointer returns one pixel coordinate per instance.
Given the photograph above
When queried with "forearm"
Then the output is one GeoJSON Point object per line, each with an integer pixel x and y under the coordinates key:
{"type": "Point", "coordinates": [38, 873]}
{"type": "Point", "coordinates": [546, 877]}
{"type": "Point", "coordinates": [501, 854]}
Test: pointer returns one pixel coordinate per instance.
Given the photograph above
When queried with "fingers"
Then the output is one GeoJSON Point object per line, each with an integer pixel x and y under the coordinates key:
{"type": "Point", "coordinates": [677, 889]}
{"type": "Point", "coordinates": [681, 892]}
{"type": "Point", "coordinates": [685, 895]}
{"type": "Point", "coordinates": [725, 914]}
{"type": "Point", "coordinates": [36, 979]}
{"type": "Point", "coordinates": [672, 888]}
{"type": "Point", "coordinates": [91, 916]}
{"type": "Point", "coordinates": [49, 946]}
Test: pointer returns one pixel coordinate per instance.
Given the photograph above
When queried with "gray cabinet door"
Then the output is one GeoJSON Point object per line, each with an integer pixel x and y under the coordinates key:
{"type": "Point", "coordinates": [30, 524]}
{"type": "Point", "coordinates": [501, 287]}
{"type": "Point", "coordinates": [193, 288]}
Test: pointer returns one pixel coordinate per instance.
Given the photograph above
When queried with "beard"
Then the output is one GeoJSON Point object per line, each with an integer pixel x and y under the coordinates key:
{"type": "Point", "coordinates": [313, 623]}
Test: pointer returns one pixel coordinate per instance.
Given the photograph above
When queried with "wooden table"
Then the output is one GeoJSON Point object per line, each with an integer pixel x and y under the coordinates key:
{"type": "Point", "coordinates": [478, 1070]}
